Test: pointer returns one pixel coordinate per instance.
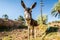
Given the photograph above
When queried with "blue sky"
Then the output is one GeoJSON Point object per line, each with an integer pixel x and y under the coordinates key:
{"type": "Point", "coordinates": [13, 8]}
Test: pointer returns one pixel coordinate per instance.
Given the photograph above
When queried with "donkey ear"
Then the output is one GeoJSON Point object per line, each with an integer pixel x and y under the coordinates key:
{"type": "Point", "coordinates": [22, 3]}
{"type": "Point", "coordinates": [33, 5]}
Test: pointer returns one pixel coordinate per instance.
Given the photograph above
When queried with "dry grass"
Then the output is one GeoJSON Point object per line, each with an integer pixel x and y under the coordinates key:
{"type": "Point", "coordinates": [22, 34]}
{"type": "Point", "coordinates": [53, 36]}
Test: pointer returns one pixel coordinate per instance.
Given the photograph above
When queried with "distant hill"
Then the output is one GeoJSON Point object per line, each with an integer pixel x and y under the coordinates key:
{"type": "Point", "coordinates": [11, 24]}
{"type": "Point", "coordinates": [54, 24]}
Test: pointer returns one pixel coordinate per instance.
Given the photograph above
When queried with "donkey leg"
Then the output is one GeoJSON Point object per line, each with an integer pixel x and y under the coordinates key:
{"type": "Point", "coordinates": [33, 32]}
{"type": "Point", "coordinates": [28, 32]}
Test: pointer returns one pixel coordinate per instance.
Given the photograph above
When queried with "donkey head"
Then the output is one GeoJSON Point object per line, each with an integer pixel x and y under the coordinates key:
{"type": "Point", "coordinates": [27, 11]}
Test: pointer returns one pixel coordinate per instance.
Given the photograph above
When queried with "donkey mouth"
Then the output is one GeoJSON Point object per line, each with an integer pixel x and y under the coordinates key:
{"type": "Point", "coordinates": [28, 19]}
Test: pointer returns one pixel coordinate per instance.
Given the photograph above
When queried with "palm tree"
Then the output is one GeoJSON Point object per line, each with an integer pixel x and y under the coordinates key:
{"type": "Point", "coordinates": [59, 0]}
{"type": "Point", "coordinates": [56, 9]}
{"type": "Point", "coordinates": [5, 16]}
{"type": "Point", "coordinates": [20, 18]}
{"type": "Point", "coordinates": [41, 4]}
{"type": "Point", "coordinates": [44, 19]}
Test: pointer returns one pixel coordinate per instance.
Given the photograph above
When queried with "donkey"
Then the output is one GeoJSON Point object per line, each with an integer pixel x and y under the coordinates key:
{"type": "Point", "coordinates": [28, 17]}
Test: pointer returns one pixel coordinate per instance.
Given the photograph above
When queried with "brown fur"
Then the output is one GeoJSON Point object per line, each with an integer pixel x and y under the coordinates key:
{"type": "Point", "coordinates": [33, 22]}
{"type": "Point", "coordinates": [28, 18]}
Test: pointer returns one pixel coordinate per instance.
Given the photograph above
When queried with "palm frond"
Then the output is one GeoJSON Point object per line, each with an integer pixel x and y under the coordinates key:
{"type": "Point", "coordinates": [56, 14]}
{"type": "Point", "coordinates": [53, 11]}
{"type": "Point", "coordinates": [59, 16]}
{"type": "Point", "coordinates": [53, 14]}
{"type": "Point", "coordinates": [59, 0]}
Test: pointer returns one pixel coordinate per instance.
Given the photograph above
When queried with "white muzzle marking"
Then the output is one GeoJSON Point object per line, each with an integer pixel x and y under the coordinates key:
{"type": "Point", "coordinates": [27, 15]}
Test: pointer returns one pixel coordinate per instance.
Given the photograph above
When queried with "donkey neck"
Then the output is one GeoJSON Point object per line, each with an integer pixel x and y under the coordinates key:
{"type": "Point", "coordinates": [32, 22]}
{"type": "Point", "coordinates": [28, 21]}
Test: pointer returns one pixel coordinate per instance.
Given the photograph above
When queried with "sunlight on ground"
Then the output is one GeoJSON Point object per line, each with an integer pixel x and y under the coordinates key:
{"type": "Point", "coordinates": [53, 36]}
{"type": "Point", "coordinates": [17, 35]}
